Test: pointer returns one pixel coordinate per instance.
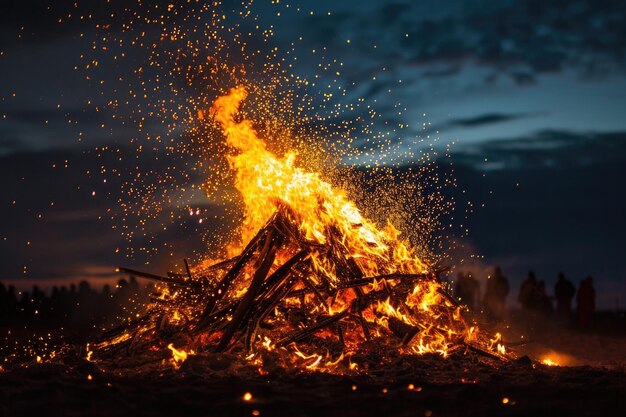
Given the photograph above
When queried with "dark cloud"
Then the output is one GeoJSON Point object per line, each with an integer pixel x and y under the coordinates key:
{"type": "Point", "coordinates": [446, 71]}
{"type": "Point", "coordinates": [486, 119]}
{"type": "Point", "coordinates": [523, 77]}
{"type": "Point", "coordinates": [549, 149]}
{"type": "Point", "coordinates": [520, 39]}
{"type": "Point", "coordinates": [393, 11]}
{"type": "Point", "coordinates": [33, 246]}
{"type": "Point", "coordinates": [481, 120]}
{"type": "Point", "coordinates": [544, 36]}
{"type": "Point", "coordinates": [26, 130]}
{"type": "Point", "coordinates": [9, 142]}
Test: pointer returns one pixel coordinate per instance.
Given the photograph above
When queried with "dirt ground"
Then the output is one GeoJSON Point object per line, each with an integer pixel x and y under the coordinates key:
{"type": "Point", "coordinates": [590, 382]}
{"type": "Point", "coordinates": [439, 388]}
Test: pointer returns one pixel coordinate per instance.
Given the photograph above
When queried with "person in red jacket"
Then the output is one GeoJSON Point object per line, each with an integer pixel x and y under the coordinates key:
{"type": "Point", "coordinates": [586, 300]}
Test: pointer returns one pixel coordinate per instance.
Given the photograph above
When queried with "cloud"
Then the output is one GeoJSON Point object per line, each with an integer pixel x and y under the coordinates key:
{"type": "Point", "coordinates": [393, 11]}
{"type": "Point", "coordinates": [520, 39]}
{"type": "Point", "coordinates": [478, 121]}
{"type": "Point", "coordinates": [442, 72]}
{"type": "Point", "coordinates": [9, 141]}
{"type": "Point", "coordinates": [487, 119]}
{"type": "Point", "coordinates": [546, 149]}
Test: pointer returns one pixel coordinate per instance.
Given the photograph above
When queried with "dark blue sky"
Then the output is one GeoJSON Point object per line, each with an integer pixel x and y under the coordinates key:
{"type": "Point", "coordinates": [532, 95]}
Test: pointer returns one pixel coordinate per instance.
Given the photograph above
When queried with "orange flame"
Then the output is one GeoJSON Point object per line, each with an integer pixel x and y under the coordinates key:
{"type": "Point", "coordinates": [178, 356]}
{"type": "Point", "coordinates": [265, 180]}
{"type": "Point", "coordinates": [549, 362]}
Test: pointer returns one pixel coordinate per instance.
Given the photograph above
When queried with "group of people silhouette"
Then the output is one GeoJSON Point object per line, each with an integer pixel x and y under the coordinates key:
{"type": "Point", "coordinates": [77, 305]}
{"type": "Point", "coordinates": [532, 296]}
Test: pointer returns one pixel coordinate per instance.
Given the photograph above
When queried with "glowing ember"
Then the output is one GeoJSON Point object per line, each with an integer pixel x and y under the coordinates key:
{"type": "Point", "coordinates": [178, 356]}
{"type": "Point", "coordinates": [549, 362]}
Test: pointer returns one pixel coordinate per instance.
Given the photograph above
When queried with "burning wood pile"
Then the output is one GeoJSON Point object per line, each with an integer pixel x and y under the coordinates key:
{"type": "Point", "coordinates": [316, 283]}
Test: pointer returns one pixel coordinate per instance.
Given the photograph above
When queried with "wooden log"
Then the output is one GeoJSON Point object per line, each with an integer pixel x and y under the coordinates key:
{"type": "Point", "coordinates": [272, 301]}
{"type": "Point", "coordinates": [366, 330]}
{"type": "Point", "coordinates": [300, 334]}
{"type": "Point", "coordinates": [153, 277]}
{"type": "Point", "coordinates": [403, 330]}
{"type": "Point", "coordinates": [396, 276]}
{"type": "Point", "coordinates": [221, 288]}
{"type": "Point", "coordinates": [187, 268]}
{"type": "Point", "coordinates": [124, 327]}
{"type": "Point", "coordinates": [484, 352]}
{"type": "Point", "coordinates": [440, 270]}
{"type": "Point", "coordinates": [271, 295]}
{"type": "Point", "coordinates": [364, 300]}
{"type": "Point", "coordinates": [346, 267]}
{"type": "Point", "coordinates": [340, 334]}
{"type": "Point", "coordinates": [279, 275]}
{"type": "Point", "coordinates": [318, 295]}
{"type": "Point", "coordinates": [215, 317]}
{"type": "Point", "coordinates": [268, 255]}
{"type": "Point", "coordinates": [287, 226]}
{"type": "Point", "coordinates": [267, 289]}
{"type": "Point", "coordinates": [300, 292]}
{"type": "Point", "coordinates": [363, 282]}
{"type": "Point", "coordinates": [266, 309]}
{"type": "Point", "coordinates": [448, 297]}
{"type": "Point", "coordinates": [223, 264]}
{"type": "Point", "coordinates": [266, 292]}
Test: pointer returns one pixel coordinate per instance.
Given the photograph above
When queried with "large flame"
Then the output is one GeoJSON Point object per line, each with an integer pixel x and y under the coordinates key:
{"type": "Point", "coordinates": [264, 180]}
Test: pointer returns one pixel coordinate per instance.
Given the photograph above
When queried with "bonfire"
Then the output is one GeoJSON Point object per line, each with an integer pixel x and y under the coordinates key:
{"type": "Point", "coordinates": [314, 281]}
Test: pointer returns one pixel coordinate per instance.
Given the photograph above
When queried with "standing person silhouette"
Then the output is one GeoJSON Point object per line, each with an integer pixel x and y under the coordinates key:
{"type": "Point", "coordinates": [586, 300]}
{"type": "Point", "coordinates": [467, 289]}
{"type": "Point", "coordinates": [495, 294]}
{"type": "Point", "coordinates": [544, 302]}
{"type": "Point", "coordinates": [528, 292]}
{"type": "Point", "coordinates": [473, 290]}
{"type": "Point", "coordinates": [564, 292]}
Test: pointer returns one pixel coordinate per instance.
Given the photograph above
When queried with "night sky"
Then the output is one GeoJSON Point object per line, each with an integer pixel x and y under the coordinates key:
{"type": "Point", "coordinates": [531, 96]}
